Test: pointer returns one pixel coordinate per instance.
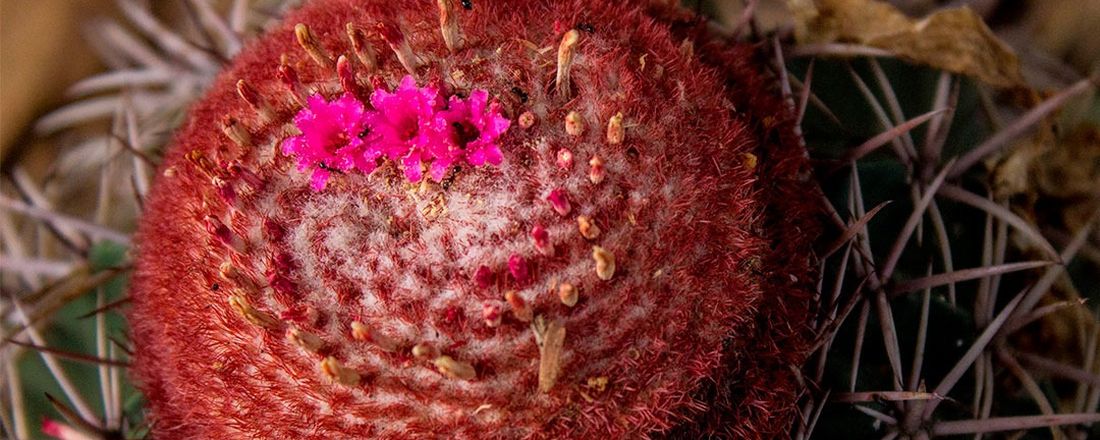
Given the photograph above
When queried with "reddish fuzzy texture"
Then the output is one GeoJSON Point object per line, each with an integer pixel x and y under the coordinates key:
{"type": "Point", "coordinates": [696, 333]}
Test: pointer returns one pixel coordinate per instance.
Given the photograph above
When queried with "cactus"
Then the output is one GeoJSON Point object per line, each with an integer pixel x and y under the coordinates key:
{"type": "Point", "coordinates": [904, 345]}
{"type": "Point", "coordinates": [510, 220]}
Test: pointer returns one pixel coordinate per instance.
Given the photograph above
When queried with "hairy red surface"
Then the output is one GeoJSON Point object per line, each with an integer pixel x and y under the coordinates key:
{"type": "Point", "coordinates": [680, 215]}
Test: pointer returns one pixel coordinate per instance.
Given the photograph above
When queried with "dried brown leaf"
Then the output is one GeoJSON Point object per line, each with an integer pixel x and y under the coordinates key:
{"type": "Point", "coordinates": [955, 40]}
{"type": "Point", "coordinates": [550, 338]}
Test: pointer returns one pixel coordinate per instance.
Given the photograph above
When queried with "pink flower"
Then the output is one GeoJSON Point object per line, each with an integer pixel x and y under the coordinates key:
{"type": "Point", "coordinates": [472, 129]}
{"type": "Point", "coordinates": [401, 126]}
{"type": "Point", "coordinates": [408, 126]}
{"type": "Point", "coordinates": [330, 137]}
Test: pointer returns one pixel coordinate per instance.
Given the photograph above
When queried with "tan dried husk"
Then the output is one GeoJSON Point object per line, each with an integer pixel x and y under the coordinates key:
{"type": "Point", "coordinates": [1054, 182]}
{"type": "Point", "coordinates": [955, 40]}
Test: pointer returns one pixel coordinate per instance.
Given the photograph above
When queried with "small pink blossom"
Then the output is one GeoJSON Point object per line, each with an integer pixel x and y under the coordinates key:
{"type": "Point", "coordinates": [401, 126]}
{"type": "Point", "coordinates": [559, 200]}
{"type": "Point", "coordinates": [330, 137]}
{"type": "Point", "coordinates": [541, 238]}
{"type": "Point", "coordinates": [517, 266]}
{"type": "Point", "coordinates": [473, 126]}
{"type": "Point", "coordinates": [484, 277]}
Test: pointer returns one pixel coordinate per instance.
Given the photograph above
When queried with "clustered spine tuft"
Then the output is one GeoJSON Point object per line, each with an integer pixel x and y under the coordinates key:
{"type": "Point", "coordinates": [601, 268]}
